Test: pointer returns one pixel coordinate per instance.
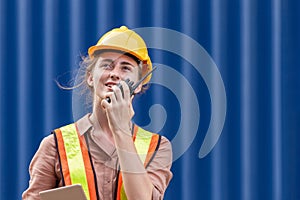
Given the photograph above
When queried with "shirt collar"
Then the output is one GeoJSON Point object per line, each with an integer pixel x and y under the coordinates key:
{"type": "Point", "coordinates": [84, 124]}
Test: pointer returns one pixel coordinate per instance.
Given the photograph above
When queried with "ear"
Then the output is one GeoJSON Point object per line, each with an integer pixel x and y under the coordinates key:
{"type": "Point", "coordinates": [144, 71]}
{"type": "Point", "coordinates": [90, 79]}
{"type": "Point", "coordinates": [138, 89]}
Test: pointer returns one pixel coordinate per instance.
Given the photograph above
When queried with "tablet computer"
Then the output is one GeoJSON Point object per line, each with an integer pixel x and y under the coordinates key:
{"type": "Point", "coordinates": [70, 192]}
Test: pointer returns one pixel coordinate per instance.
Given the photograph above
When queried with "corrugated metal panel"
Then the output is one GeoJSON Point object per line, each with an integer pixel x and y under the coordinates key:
{"type": "Point", "coordinates": [253, 44]}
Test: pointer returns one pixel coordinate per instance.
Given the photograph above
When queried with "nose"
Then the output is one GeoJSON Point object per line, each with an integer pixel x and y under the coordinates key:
{"type": "Point", "coordinates": [114, 74]}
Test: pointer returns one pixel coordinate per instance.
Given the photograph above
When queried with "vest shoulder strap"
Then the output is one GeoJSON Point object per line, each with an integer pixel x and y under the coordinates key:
{"type": "Point", "coordinates": [146, 144]}
{"type": "Point", "coordinates": [74, 159]}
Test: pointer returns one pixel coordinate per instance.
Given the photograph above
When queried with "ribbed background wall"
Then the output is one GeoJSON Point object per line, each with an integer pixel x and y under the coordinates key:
{"type": "Point", "coordinates": [255, 45]}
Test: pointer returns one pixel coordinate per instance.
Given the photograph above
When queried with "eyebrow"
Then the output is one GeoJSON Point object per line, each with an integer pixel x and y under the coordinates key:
{"type": "Point", "coordinates": [127, 63]}
{"type": "Point", "coordinates": [122, 63]}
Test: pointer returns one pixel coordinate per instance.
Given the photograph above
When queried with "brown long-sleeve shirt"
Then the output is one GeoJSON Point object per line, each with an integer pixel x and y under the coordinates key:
{"type": "Point", "coordinates": [45, 169]}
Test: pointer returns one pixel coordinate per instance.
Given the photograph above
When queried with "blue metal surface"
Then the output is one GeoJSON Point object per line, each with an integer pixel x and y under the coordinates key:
{"type": "Point", "coordinates": [254, 44]}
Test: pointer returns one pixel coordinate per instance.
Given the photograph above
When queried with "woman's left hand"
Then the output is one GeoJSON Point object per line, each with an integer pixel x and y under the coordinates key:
{"type": "Point", "coordinates": [119, 111]}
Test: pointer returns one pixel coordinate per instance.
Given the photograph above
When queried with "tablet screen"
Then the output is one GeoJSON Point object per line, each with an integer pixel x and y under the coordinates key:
{"type": "Point", "coordinates": [70, 192]}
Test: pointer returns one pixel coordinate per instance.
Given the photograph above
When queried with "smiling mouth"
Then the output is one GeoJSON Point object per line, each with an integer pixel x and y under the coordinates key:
{"type": "Point", "coordinates": [110, 85]}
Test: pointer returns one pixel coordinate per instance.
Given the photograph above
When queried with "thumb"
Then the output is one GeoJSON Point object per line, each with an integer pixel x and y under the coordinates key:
{"type": "Point", "coordinates": [131, 108]}
{"type": "Point", "coordinates": [104, 103]}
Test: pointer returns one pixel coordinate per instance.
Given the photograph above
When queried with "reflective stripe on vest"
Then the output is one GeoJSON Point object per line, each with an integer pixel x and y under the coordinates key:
{"type": "Point", "coordinates": [74, 160]}
{"type": "Point", "coordinates": [76, 164]}
{"type": "Point", "coordinates": [146, 144]}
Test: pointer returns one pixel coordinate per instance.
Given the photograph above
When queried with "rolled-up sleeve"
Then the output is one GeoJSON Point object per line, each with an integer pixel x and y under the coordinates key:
{"type": "Point", "coordinates": [159, 169]}
{"type": "Point", "coordinates": [42, 169]}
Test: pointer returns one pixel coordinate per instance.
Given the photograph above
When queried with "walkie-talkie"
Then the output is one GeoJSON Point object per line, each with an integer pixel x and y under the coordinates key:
{"type": "Point", "coordinates": [131, 84]}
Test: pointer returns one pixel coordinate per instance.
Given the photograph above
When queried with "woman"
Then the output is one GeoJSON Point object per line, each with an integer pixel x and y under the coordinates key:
{"type": "Point", "coordinates": [103, 151]}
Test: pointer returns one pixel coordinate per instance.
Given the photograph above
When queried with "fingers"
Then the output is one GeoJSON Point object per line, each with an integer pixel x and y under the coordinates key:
{"type": "Point", "coordinates": [126, 90]}
{"type": "Point", "coordinates": [122, 92]}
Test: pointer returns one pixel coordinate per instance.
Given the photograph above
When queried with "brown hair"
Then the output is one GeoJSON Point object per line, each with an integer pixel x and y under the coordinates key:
{"type": "Point", "coordinates": [86, 66]}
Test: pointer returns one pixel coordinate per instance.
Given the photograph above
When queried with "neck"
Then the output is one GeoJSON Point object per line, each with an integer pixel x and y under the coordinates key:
{"type": "Point", "coordinates": [99, 119]}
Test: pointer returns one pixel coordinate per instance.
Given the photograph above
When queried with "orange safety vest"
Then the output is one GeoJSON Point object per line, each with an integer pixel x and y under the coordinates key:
{"type": "Point", "coordinates": [76, 163]}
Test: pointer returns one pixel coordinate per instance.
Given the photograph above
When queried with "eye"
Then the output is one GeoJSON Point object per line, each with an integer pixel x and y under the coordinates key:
{"type": "Point", "coordinates": [126, 68]}
{"type": "Point", "coordinates": [106, 65]}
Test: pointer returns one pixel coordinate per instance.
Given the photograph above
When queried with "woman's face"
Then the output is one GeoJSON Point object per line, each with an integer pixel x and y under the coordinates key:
{"type": "Point", "coordinates": [109, 70]}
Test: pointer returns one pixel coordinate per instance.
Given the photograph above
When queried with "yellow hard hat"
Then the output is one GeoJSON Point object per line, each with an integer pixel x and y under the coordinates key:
{"type": "Point", "coordinates": [126, 40]}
